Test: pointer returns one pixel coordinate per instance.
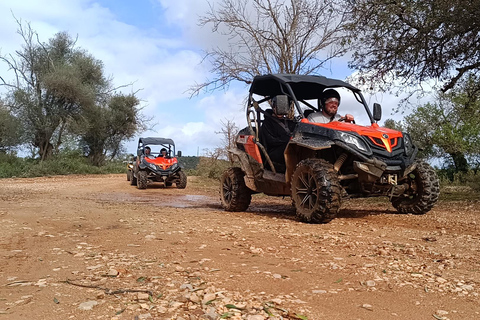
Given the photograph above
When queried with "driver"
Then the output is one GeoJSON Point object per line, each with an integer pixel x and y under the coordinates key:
{"type": "Point", "coordinates": [328, 106]}
{"type": "Point", "coordinates": [147, 151]}
{"type": "Point", "coordinates": [163, 153]}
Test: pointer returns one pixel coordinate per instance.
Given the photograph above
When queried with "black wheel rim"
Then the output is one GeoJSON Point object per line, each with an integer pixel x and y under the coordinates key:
{"type": "Point", "coordinates": [227, 190]}
{"type": "Point", "coordinates": [306, 190]}
{"type": "Point", "coordinates": [413, 186]}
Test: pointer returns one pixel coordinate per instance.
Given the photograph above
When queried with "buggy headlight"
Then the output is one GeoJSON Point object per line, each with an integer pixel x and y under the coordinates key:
{"type": "Point", "coordinates": [174, 166]}
{"type": "Point", "coordinates": [152, 166]}
{"type": "Point", "coordinates": [355, 141]}
{"type": "Point", "coordinates": [407, 140]}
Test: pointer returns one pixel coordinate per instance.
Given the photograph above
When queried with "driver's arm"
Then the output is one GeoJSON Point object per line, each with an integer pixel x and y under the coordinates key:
{"type": "Point", "coordinates": [348, 118]}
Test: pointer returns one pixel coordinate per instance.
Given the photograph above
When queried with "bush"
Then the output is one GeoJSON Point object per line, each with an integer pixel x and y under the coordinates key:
{"type": "Point", "coordinates": [188, 162]}
{"type": "Point", "coordinates": [473, 180]}
{"type": "Point", "coordinates": [470, 178]}
{"type": "Point", "coordinates": [210, 168]}
{"type": "Point", "coordinates": [11, 165]}
{"type": "Point", "coordinates": [63, 164]}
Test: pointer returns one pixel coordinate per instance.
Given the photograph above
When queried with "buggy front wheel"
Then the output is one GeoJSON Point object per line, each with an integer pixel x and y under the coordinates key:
{"type": "Point", "coordinates": [316, 191]}
{"type": "Point", "coordinates": [182, 180]}
{"type": "Point", "coordinates": [142, 179]}
{"type": "Point", "coordinates": [423, 191]}
{"type": "Point", "coordinates": [133, 179]}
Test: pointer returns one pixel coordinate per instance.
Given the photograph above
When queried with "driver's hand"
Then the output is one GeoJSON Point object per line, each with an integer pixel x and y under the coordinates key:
{"type": "Point", "coordinates": [349, 118]}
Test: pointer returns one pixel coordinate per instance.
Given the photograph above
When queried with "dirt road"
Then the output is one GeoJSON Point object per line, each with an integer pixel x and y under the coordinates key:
{"type": "Point", "coordinates": [94, 247]}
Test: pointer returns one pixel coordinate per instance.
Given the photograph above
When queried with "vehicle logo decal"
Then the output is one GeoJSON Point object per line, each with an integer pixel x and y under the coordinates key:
{"type": "Point", "coordinates": [385, 136]}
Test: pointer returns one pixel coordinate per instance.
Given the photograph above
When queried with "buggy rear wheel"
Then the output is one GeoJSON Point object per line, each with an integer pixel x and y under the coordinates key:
{"type": "Point", "coordinates": [133, 179]}
{"type": "Point", "coordinates": [423, 192]}
{"type": "Point", "coordinates": [234, 194]}
{"type": "Point", "coordinates": [316, 191]}
{"type": "Point", "coordinates": [182, 180]}
{"type": "Point", "coordinates": [142, 179]}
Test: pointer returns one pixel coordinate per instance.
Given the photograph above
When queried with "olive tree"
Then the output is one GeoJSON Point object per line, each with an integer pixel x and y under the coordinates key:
{"type": "Point", "coordinates": [11, 132]}
{"type": "Point", "coordinates": [106, 126]}
{"type": "Point", "coordinates": [415, 42]}
{"type": "Point", "coordinates": [449, 127]}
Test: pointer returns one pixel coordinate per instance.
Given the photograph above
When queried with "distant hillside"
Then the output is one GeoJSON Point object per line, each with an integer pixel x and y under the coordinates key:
{"type": "Point", "coordinates": [189, 162]}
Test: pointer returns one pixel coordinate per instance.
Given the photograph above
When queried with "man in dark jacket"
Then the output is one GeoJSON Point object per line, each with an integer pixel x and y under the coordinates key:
{"type": "Point", "coordinates": [275, 134]}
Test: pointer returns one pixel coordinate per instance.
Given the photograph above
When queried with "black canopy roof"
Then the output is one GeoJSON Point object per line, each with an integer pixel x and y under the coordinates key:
{"type": "Point", "coordinates": [304, 87]}
{"type": "Point", "coordinates": [155, 141]}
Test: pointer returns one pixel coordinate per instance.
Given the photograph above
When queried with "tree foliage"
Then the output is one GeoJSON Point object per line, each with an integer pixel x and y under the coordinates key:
{"type": "Point", "coordinates": [272, 36]}
{"type": "Point", "coordinates": [11, 132]}
{"type": "Point", "coordinates": [52, 82]}
{"type": "Point", "coordinates": [392, 124]}
{"type": "Point", "coordinates": [104, 127]}
{"type": "Point", "coordinates": [415, 41]}
{"type": "Point", "coordinates": [450, 127]}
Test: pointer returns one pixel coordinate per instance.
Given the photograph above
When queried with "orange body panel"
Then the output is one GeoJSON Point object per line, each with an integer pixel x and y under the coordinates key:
{"type": "Point", "coordinates": [162, 162]}
{"type": "Point", "coordinates": [374, 132]}
{"type": "Point", "coordinates": [252, 149]}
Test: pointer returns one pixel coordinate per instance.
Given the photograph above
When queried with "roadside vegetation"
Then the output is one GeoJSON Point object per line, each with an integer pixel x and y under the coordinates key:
{"type": "Point", "coordinates": [62, 164]}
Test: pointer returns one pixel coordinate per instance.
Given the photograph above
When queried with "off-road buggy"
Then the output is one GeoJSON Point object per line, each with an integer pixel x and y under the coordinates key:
{"type": "Point", "coordinates": [324, 163]}
{"type": "Point", "coordinates": [154, 167]}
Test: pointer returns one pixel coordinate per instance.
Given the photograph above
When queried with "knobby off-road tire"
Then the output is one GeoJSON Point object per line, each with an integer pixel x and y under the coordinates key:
{"type": "Point", "coordinates": [423, 192]}
{"type": "Point", "coordinates": [316, 191]}
{"type": "Point", "coordinates": [182, 180]}
{"type": "Point", "coordinates": [142, 179]}
{"type": "Point", "coordinates": [128, 175]}
{"type": "Point", "coordinates": [234, 194]}
{"type": "Point", "coordinates": [133, 179]}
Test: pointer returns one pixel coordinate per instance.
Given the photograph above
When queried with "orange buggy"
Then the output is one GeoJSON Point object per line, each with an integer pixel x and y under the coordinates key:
{"type": "Point", "coordinates": [156, 166]}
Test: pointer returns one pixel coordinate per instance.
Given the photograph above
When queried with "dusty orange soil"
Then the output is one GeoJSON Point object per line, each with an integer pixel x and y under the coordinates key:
{"type": "Point", "coordinates": [94, 247]}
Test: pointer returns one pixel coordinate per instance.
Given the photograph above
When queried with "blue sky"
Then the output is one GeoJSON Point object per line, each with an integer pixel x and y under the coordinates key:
{"type": "Point", "coordinates": [158, 46]}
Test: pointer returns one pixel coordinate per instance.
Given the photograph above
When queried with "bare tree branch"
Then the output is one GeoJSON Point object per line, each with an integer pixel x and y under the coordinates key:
{"type": "Point", "coordinates": [270, 36]}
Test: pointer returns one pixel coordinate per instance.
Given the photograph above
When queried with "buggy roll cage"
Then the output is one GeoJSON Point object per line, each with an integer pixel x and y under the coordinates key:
{"type": "Point", "coordinates": [151, 141]}
{"type": "Point", "coordinates": [308, 87]}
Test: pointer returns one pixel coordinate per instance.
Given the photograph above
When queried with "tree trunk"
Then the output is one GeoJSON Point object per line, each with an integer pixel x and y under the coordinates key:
{"type": "Point", "coordinates": [96, 157]}
{"type": "Point", "coordinates": [460, 162]}
{"type": "Point", "coordinates": [59, 140]}
{"type": "Point", "coordinates": [45, 148]}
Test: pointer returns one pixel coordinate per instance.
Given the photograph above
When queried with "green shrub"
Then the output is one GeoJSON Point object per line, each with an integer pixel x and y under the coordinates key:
{"type": "Point", "coordinates": [470, 178]}
{"type": "Point", "coordinates": [211, 168]}
{"type": "Point", "coordinates": [11, 165]}
{"type": "Point", "coordinates": [63, 164]}
{"type": "Point", "coordinates": [473, 180]}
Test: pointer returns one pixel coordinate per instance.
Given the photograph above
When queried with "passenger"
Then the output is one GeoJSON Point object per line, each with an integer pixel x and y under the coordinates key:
{"type": "Point", "coordinates": [275, 134]}
{"type": "Point", "coordinates": [147, 151]}
{"type": "Point", "coordinates": [328, 106]}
